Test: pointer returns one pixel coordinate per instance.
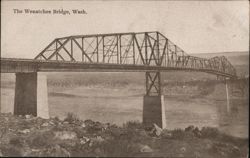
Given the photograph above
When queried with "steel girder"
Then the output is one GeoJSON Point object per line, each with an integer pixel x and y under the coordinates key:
{"type": "Point", "coordinates": [142, 48]}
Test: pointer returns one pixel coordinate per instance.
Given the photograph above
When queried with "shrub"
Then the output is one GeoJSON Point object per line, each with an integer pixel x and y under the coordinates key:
{"type": "Point", "coordinates": [133, 125]}
{"type": "Point", "coordinates": [209, 132]}
{"type": "Point", "coordinates": [119, 148]}
{"type": "Point", "coordinates": [16, 141]}
{"type": "Point", "coordinates": [42, 140]}
{"type": "Point", "coordinates": [71, 118]}
{"type": "Point", "coordinates": [11, 151]}
{"type": "Point", "coordinates": [181, 134]}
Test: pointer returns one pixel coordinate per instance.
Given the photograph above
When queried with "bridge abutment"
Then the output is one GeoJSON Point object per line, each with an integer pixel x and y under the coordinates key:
{"type": "Point", "coordinates": [31, 95]}
{"type": "Point", "coordinates": [153, 101]}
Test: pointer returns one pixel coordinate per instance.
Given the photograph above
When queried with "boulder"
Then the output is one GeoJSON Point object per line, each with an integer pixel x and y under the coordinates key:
{"type": "Point", "coordinates": [166, 134]}
{"type": "Point", "coordinates": [51, 123]}
{"type": "Point", "coordinates": [235, 151]}
{"type": "Point", "coordinates": [97, 139]}
{"type": "Point", "coordinates": [146, 149]}
{"type": "Point", "coordinates": [25, 131]}
{"type": "Point", "coordinates": [183, 149]}
{"type": "Point", "coordinates": [84, 140]}
{"type": "Point", "coordinates": [64, 135]}
{"type": "Point", "coordinates": [45, 124]}
{"type": "Point", "coordinates": [65, 122]}
{"type": "Point", "coordinates": [83, 125]}
{"type": "Point", "coordinates": [28, 116]}
{"type": "Point", "coordinates": [157, 130]}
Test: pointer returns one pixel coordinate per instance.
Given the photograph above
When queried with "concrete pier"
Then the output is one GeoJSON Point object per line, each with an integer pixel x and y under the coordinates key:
{"type": "Point", "coordinates": [154, 110]}
{"type": "Point", "coordinates": [31, 95]}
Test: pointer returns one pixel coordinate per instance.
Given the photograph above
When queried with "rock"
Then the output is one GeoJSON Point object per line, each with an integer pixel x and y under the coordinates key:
{"type": "Point", "coordinates": [65, 122]}
{"type": "Point", "coordinates": [157, 130]}
{"type": "Point", "coordinates": [35, 150]}
{"type": "Point", "coordinates": [25, 131]}
{"type": "Point", "coordinates": [183, 149]}
{"type": "Point", "coordinates": [236, 150]}
{"type": "Point", "coordinates": [89, 122]}
{"type": "Point", "coordinates": [6, 119]}
{"type": "Point", "coordinates": [98, 139]}
{"type": "Point", "coordinates": [84, 140]}
{"type": "Point", "coordinates": [166, 134]}
{"type": "Point", "coordinates": [105, 127]}
{"type": "Point", "coordinates": [146, 149]}
{"type": "Point", "coordinates": [83, 125]}
{"type": "Point", "coordinates": [90, 143]}
{"type": "Point", "coordinates": [27, 116]}
{"type": "Point", "coordinates": [63, 135]}
{"type": "Point", "coordinates": [45, 124]}
{"type": "Point", "coordinates": [222, 153]}
{"type": "Point", "coordinates": [51, 123]}
{"type": "Point", "coordinates": [197, 132]}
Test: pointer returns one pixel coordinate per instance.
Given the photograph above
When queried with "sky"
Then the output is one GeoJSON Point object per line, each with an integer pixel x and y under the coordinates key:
{"type": "Point", "coordinates": [195, 26]}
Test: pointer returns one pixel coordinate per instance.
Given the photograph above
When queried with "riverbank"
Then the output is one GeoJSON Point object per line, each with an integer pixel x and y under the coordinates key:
{"type": "Point", "coordinates": [32, 136]}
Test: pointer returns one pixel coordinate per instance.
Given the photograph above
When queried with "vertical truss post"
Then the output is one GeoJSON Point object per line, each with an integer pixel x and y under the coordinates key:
{"type": "Point", "coordinates": [167, 54]}
{"type": "Point", "coordinates": [158, 50]}
{"type": "Point", "coordinates": [82, 49]}
{"type": "Point", "coordinates": [97, 49]}
{"type": "Point", "coordinates": [146, 48]}
{"type": "Point", "coordinates": [56, 49]}
{"type": "Point", "coordinates": [71, 47]}
{"type": "Point", "coordinates": [103, 51]}
{"type": "Point", "coordinates": [133, 39]}
{"type": "Point", "coordinates": [120, 41]}
{"type": "Point", "coordinates": [117, 48]}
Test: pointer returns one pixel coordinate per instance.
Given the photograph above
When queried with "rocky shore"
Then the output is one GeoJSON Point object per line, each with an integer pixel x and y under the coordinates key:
{"type": "Point", "coordinates": [34, 136]}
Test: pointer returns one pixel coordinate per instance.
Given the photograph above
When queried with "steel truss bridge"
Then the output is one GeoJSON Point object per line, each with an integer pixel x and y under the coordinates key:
{"type": "Point", "coordinates": [151, 52]}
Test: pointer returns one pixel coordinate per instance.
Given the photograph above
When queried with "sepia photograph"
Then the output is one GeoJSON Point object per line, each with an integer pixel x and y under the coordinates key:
{"type": "Point", "coordinates": [117, 78]}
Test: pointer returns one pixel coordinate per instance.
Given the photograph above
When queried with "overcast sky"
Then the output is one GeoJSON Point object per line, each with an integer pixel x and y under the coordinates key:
{"type": "Point", "coordinates": [195, 26]}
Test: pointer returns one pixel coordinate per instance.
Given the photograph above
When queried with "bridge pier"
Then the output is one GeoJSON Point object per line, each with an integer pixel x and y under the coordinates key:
{"type": "Point", "coordinates": [31, 95]}
{"type": "Point", "coordinates": [153, 101]}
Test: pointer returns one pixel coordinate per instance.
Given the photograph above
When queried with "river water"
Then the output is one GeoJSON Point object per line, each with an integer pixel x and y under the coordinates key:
{"type": "Point", "coordinates": [119, 105]}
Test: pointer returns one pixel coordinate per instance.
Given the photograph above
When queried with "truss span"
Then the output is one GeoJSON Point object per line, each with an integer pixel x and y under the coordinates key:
{"type": "Point", "coordinates": [142, 48]}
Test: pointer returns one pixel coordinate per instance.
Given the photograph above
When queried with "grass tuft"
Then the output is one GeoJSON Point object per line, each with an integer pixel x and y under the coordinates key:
{"type": "Point", "coordinates": [72, 118]}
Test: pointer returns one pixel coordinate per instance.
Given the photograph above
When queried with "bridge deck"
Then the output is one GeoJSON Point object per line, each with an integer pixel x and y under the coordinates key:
{"type": "Point", "coordinates": [15, 65]}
